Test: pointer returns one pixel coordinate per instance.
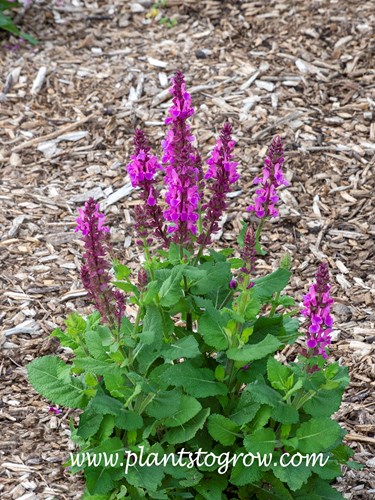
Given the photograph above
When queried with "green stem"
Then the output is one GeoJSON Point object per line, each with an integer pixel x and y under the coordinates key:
{"type": "Point", "coordinates": [274, 305]}
{"type": "Point", "coordinates": [259, 230]}
{"type": "Point", "coordinates": [229, 367]}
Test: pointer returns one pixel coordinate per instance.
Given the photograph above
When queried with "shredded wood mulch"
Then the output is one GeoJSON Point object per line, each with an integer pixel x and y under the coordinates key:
{"type": "Point", "coordinates": [68, 109]}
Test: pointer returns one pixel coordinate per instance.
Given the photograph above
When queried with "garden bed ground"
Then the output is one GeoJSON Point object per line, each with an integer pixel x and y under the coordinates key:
{"type": "Point", "coordinates": [302, 69]}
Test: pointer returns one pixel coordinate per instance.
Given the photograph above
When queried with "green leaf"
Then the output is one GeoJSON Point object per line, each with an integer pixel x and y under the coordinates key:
{"type": "Point", "coordinates": [244, 410]}
{"type": "Point", "coordinates": [294, 477]}
{"type": "Point", "coordinates": [198, 382]}
{"type": "Point", "coordinates": [96, 366]}
{"type": "Point", "coordinates": [149, 478]}
{"type": "Point", "coordinates": [187, 409]}
{"type": "Point", "coordinates": [317, 435]}
{"type": "Point", "coordinates": [164, 404]}
{"type": "Point", "coordinates": [212, 487]}
{"type": "Point", "coordinates": [65, 340]}
{"type": "Point", "coordinates": [106, 428]}
{"type": "Point", "coordinates": [218, 275]}
{"type": "Point", "coordinates": [278, 374]}
{"type": "Point", "coordinates": [245, 474]}
{"type": "Point", "coordinates": [272, 283]}
{"type": "Point", "coordinates": [89, 423]}
{"type": "Point", "coordinates": [262, 393]}
{"type": "Point", "coordinates": [174, 254]}
{"type": "Point", "coordinates": [187, 347]}
{"type": "Point", "coordinates": [96, 340]}
{"type": "Point", "coordinates": [316, 489]}
{"type": "Point", "coordinates": [211, 326]}
{"type": "Point", "coordinates": [152, 325]}
{"type": "Point", "coordinates": [104, 404]}
{"type": "Point", "coordinates": [241, 235]}
{"type": "Point", "coordinates": [121, 271]}
{"type": "Point", "coordinates": [187, 431]}
{"type": "Point", "coordinates": [324, 403]}
{"type": "Point", "coordinates": [171, 291]}
{"type": "Point", "coordinates": [251, 352]}
{"type": "Point", "coordinates": [223, 429]}
{"type": "Point", "coordinates": [261, 441]}
{"type": "Point", "coordinates": [235, 263]}
{"type": "Point", "coordinates": [129, 420]}
{"type": "Point", "coordinates": [329, 471]}
{"type": "Point", "coordinates": [286, 301]}
{"type": "Point", "coordinates": [76, 325]}
{"type": "Point", "coordinates": [50, 376]}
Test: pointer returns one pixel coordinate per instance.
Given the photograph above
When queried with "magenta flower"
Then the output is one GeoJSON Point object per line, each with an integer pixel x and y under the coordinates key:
{"type": "Point", "coordinates": [95, 272]}
{"type": "Point", "coordinates": [142, 169]}
{"type": "Point", "coordinates": [317, 311]}
{"type": "Point", "coordinates": [54, 410]}
{"type": "Point", "coordinates": [181, 166]}
{"type": "Point", "coordinates": [266, 196]}
{"type": "Point", "coordinates": [222, 169]}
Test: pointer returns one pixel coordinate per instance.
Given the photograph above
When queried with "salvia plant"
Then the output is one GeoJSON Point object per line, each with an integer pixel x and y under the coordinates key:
{"type": "Point", "coordinates": [191, 372]}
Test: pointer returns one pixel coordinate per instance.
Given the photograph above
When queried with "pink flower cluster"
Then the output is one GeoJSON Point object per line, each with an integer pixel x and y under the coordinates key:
{"type": "Point", "coordinates": [142, 169]}
{"type": "Point", "coordinates": [182, 165]}
{"type": "Point", "coordinates": [221, 162]}
{"type": "Point", "coordinates": [317, 310]}
{"type": "Point", "coordinates": [143, 166]}
{"type": "Point", "coordinates": [266, 196]}
{"type": "Point", "coordinates": [95, 272]}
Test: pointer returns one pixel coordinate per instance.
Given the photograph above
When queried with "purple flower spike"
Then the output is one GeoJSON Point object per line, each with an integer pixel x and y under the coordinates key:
{"type": "Point", "coordinates": [182, 166]}
{"type": "Point", "coordinates": [248, 253]}
{"type": "Point", "coordinates": [142, 169]}
{"type": "Point", "coordinates": [95, 272]}
{"type": "Point", "coordinates": [266, 196]}
{"type": "Point", "coordinates": [222, 169]}
{"type": "Point", "coordinates": [317, 311]}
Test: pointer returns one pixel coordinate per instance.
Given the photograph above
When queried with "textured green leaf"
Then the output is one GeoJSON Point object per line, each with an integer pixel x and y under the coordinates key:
{"type": "Point", "coordinates": [278, 374]}
{"type": "Point", "coordinates": [241, 474]}
{"type": "Point", "coordinates": [266, 286]}
{"type": "Point", "coordinates": [89, 423]}
{"type": "Point", "coordinates": [198, 382]}
{"type": "Point", "coordinates": [171, 291]}
{"type": "Point", "coordinates": [129, 420]}
{"type": "Point", "coordinates": [212, 487]}
{"type": "Point", "coordinates": [317, 489]}
{"type": "Point", "coordinates": [294, 477]}
{"type": "Point", "coordinates": [104, 404]}
{"type": "Point", "coordinates": [324, 403]}
{"type": "Point", "coordinates": [317, 434]}
{"type": "Point", "coordinates": [244, 410]}
{"type": "Point", "coordinates": [50, 376]}
{"type": "Point", "coordinates": [253, 352]}
{"type": "Point", "coordinates": [95, 366]}
{"type": "Point", "coordinates": [186, 432]}
{"type": "Point", "coordinates": [261, 441]}
{"type": "Point", "coordinates": [223, 429]}
{"type": "Point", "coordinates": [164, 404]}
{"type": "Point", "coordinates": [211, 326]}
{"type": "Point", "coordinates": [96, 342]}
{"type": "Point", "coordinates": [187, 409]}
{"type": "Point", "coordinates": [187, 347]}
{"type": "Point", "coordinates": [152, 325]}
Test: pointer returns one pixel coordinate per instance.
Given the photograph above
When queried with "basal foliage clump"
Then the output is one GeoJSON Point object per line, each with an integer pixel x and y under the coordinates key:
{"type": "Point", "coordinates": [196, 371]}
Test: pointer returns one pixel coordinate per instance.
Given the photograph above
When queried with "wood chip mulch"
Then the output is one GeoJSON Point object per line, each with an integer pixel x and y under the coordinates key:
{"type": "Point", "coordinates": [68, 108]}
